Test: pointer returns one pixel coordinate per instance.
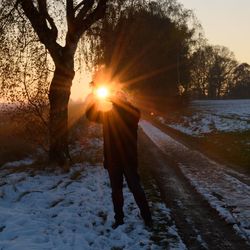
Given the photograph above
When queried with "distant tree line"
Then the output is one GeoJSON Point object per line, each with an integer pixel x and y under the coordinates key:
{"type": "Point", "coordinates": [216, 74]}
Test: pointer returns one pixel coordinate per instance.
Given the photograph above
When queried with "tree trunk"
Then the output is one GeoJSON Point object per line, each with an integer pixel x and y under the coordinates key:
{"type": "Point", "coordinates": [59, 97]}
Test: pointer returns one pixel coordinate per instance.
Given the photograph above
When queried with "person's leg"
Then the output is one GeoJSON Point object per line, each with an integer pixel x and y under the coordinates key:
{"type": "Point", "coordinates": [134, 185]}
{"type": "Point", "coordinates": [116, 182]}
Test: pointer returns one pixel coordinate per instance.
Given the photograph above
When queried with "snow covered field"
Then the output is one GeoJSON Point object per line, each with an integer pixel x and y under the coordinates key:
{"type": "Point", "coordinates": [211, 116]}
{"type": "Point", "coordinates": [44, 210]}
{"type": "Point", "coordinates": [222, 188]}
{"type": "Point", "coordinates": [55, 212]}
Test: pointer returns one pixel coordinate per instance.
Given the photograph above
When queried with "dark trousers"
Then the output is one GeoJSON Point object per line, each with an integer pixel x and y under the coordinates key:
{"type": "Point", "coordinates": [116, 173]}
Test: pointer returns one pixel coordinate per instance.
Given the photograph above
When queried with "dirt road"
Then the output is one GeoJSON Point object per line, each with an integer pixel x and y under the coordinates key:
{"type": "Point", "coordinates": [200, 225]}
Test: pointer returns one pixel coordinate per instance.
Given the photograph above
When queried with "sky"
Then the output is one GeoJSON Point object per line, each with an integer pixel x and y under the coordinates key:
{"type": "Point", "coordinates": [225, 22]}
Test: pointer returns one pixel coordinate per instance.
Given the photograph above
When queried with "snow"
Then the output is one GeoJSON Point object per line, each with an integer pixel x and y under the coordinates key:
{"type": "Point", "coordinates": [55, 212]}
{"type": "Point", "coordinates": [74, 210]}
{"type": "Point", "coordinates": [211, 116]}
{"type": "Point", "coordinates": [24, 162]}
{"type": "Point", "coordinates": [224, 189]}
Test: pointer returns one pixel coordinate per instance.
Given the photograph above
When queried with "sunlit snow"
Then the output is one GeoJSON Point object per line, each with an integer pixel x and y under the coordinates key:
{"type": "Point", "coordinates": [211, 116]}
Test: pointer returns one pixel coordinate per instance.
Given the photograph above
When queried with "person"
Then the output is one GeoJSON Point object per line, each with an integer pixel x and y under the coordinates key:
{"type": "Point", "coordinates": [120, 126]}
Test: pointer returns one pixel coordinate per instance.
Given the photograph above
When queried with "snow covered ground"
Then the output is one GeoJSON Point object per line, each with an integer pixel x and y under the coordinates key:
{"type": "Point", "coordinates": [24, 162]}
{"type": "Point", "coordinates": [211, 116]}
{"type": "Point", "coordinates": [218, 185]}
{"type": "Point", "coordinates": [44, 210]}
{"type": "Point", "coordinates": [55, 212]}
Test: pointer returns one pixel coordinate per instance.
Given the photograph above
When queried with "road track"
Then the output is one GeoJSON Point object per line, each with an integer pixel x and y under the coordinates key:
{"type": "Point", "coordinates": [199, 225]}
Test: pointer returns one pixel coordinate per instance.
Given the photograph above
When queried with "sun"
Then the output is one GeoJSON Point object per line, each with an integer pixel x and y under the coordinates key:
{"type": "Point", "coordinates": [102, 92]}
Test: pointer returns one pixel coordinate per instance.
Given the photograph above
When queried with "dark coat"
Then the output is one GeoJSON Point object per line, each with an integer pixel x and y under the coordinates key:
{"type": "Point", "coordinates": [120, 126]}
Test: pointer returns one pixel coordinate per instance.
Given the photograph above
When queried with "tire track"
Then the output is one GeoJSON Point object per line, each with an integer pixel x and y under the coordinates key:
{"type": "Point", "coordinates": [199, 225]}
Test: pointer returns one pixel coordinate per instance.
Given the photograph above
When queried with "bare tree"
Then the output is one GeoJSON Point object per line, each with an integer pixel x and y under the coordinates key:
{"type": "Point", "coordinates": [212, 70]}
{"type": "Point", "coordinates": [220, 72]}
{"type": "Point", "coordinates": [240, 84]}
{"type": "Point", "coordinates": [80, 16]}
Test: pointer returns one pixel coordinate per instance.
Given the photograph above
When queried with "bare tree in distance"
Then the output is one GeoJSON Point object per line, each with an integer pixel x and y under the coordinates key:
{"type": "Point", "coordinates": [212, 71]}
{"type": "Point", "coordinates": [80, 16]}
{"type": "Point", "coordinates": [240, 85]}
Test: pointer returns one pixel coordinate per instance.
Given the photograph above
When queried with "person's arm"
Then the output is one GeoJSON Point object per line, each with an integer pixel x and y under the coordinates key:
{"type": "Point", "coordinates": [93, 113]}
{"type": "Point", "coordinates": [137, 113]}
{"type": "Point", "coordinates": [130, 110]}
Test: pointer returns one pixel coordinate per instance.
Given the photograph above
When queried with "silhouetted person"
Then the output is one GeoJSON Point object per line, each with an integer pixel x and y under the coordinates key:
{"type": "Point", "coordinates": [120, 126]}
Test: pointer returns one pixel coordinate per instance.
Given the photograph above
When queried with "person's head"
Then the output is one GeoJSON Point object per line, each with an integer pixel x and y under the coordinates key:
{"type": "Point", "coordinates": [92, 84]}
{"type": "Point", "coordinates": [119, 97]}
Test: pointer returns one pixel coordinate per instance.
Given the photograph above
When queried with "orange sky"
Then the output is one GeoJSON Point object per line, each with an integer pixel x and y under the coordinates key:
{"type": "Point", "coordinates": [80, 88]}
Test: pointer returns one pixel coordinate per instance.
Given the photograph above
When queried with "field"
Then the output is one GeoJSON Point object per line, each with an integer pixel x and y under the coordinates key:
{"type": "Point", "coordinates": [22, 132]}
{"type": "Point", "coordinates": [14, 137]}
{"type": "Point", "coordinates": [219, 128]}
{"type": "Point", "coordinates": [196, 203]}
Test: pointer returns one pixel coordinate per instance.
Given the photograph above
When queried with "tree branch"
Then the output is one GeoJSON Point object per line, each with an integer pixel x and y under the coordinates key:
{"type": "Point", "coordinates": [70, 16]}
{"type": "Point", "coordinates": [84, 21]}
{"type": "Point", "coordinates": [87, 5]}
{"type": "Point", "coordinates": [42, 4]}
{"type": "Point", "coordinates": [70, 13]}
{"type": "Point", "coordinates": [38, 21]}
{"type": "Point", "coordinates": [79, 5]}
{"type": "Point", "coordinates": [4, 19]}
{"type": "Point", "coordinates": [44, 14]}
